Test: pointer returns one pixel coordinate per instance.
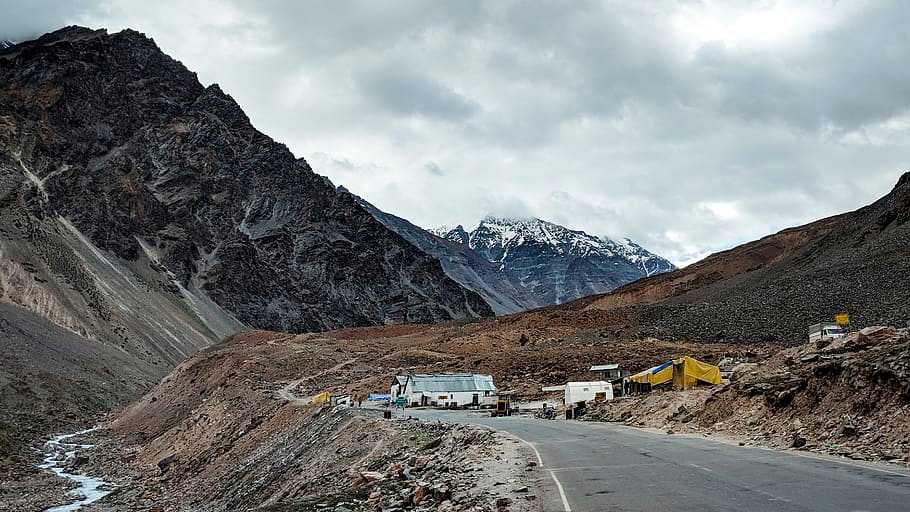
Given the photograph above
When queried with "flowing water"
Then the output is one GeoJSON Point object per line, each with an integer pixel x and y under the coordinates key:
{"type": "Point", "coordinates": [89, 489]}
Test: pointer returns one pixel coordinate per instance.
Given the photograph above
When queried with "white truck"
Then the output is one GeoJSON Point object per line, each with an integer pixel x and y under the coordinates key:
{"type": "Point", "coordinates": [825, 332]}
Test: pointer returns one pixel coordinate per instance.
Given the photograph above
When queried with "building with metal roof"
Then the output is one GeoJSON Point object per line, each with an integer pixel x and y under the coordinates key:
{"type": "Point", "coordinates": [446, 389]}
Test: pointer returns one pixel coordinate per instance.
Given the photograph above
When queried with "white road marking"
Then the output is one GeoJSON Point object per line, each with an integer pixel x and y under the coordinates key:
{"type": "Point", "coordinates": [536, 453]}
{"type": "Point", "coordinates": [562, 492]}
{"type": "Point", "coordinates": [856, 464]}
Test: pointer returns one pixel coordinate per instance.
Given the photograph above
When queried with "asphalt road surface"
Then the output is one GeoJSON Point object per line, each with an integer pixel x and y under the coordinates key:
{"type": "Point", "coordinates": [598, 467]}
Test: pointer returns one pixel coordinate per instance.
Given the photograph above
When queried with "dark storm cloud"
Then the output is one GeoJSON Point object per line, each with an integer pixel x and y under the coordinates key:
{"type": "Point", "coordinates": [407, 93]}
{"type": "Point", "coordinates": [687, 126]}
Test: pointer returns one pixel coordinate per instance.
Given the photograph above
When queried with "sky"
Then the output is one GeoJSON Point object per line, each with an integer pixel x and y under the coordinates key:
{"type": "Point", "coordinates": [688, 126]}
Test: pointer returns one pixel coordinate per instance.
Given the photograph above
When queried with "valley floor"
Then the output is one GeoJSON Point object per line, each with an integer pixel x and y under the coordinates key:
{"type": "Point", "coordinates": [236, 427]}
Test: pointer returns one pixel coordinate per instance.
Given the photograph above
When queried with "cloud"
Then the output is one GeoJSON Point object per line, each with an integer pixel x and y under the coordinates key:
{"type": "Point", "coordinates": [27, 20]}
{"type": "Point", "coordinates": [404, 92]}
{"type": "Point", "coordinates": [686, 126]}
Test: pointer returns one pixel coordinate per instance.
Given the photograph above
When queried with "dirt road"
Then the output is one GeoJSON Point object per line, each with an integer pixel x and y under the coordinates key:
{"type": "Point", "coordinates": [287, 392]}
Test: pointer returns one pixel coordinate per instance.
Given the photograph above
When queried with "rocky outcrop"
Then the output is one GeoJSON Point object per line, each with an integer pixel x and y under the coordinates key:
{"type": "Point", "coordinates": [843, 397]}
{"type": "Point", "coordinates": [555, 264]}
{"type": "Point", "coordinates": [150, 207]}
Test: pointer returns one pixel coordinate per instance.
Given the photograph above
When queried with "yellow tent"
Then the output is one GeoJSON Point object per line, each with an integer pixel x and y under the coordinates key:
{"type": "Point", "coordinates": [654, 376]}
{"type": "Point", "coordinates": [688, 372]}
{"type": "Point", "coordinates": [684, 373]}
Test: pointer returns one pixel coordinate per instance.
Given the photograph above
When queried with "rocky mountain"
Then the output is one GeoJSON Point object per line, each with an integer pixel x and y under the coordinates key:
{"type": "Point", "coordinates": [462, 264]}
{"type": "Point", "coordinates": [143, 213]}
{"type": "Point", "coordinates": [772, 289]}
{"type": "Point", "coordinates": [109, 145]}
{"type": "Point", "coordinates": [553, 263]}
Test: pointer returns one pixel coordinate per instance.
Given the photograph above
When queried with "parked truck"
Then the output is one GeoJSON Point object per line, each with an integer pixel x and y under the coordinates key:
{"type": "Point", "coordinates": [825, 331]}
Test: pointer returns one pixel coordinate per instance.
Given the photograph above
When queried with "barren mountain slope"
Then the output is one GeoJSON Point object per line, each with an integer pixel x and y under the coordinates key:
{"type": "Point", "coordinates": [771, 289]}
{"type": "Point", "coordinates": [232, 428]}
{"type": "Point", "coordinates": [51, 379]}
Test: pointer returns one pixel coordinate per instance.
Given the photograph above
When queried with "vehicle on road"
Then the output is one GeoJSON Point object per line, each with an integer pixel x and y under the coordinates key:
{"type": "Point", "coordinates": [825, 332]}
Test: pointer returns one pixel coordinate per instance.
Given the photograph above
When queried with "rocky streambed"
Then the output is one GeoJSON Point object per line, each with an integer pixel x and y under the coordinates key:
{"type": "Point", "coordinates": [61, 453]}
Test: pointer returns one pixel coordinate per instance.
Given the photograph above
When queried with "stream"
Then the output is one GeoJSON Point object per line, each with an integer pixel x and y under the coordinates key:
{"type": "Point", "coordinates": [59, 453]}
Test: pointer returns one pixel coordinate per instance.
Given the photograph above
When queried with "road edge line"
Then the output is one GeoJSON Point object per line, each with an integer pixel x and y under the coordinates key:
{"type": "Point", "coordinates": [562, 492]}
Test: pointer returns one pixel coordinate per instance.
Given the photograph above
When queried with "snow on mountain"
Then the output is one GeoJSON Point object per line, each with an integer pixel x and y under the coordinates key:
{"type": "Point", "coordinates": [558, 264]}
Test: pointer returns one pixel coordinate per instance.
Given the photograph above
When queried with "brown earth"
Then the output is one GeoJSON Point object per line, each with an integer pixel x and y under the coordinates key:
{"type": "Point", "coordinates": [850, 397]}
{"type": "Point", "coordinates": [233, 427]}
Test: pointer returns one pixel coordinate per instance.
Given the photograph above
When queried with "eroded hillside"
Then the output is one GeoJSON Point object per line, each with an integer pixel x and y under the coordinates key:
{"type": "Point", "coordinates": [771, 289]}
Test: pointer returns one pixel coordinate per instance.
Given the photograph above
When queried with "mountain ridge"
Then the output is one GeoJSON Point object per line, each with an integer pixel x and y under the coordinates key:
{"type": "Point", "coordinates": [557, 263]}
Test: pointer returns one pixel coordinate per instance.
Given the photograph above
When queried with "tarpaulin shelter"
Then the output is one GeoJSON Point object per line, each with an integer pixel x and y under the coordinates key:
{"type": "Point", "coordinates": [656, 375]}
{"type": "Point", "coordinates": [684, 373]}
{"type": "Point", "coordinates": [688, 372]}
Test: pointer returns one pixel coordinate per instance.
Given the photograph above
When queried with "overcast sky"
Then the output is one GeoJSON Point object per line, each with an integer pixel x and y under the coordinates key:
{"type": "Point", "coordinates": [688, 126]}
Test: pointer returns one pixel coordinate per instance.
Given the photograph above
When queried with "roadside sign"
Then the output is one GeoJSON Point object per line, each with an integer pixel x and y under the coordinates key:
{"type": "Point", "coordinates": [401, 402]}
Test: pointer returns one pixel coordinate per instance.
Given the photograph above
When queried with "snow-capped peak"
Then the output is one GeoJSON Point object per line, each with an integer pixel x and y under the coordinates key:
{"type": "Point", "coordinates": [508, 233]}
{"type": "Point", "coordinates": [498, 239]}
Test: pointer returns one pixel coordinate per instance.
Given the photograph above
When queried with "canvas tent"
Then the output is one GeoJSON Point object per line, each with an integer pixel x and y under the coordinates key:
{"type": "Point", "coordinates": [655, 375]}
{"type": "Point", "coordinates": [685, 373]}
{"type": "Point", "coordinates": [688, 372]}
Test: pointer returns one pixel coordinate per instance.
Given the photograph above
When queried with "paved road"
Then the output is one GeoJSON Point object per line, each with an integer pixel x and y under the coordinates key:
{"type": "Point", "coordinates": [603, 467]}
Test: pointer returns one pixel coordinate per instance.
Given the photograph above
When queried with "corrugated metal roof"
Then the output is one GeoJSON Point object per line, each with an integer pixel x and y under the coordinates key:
{"type": "Point", "coordinates": [401, 379]}
{"type": "Point", "coordinates": [603, 367]}
{"type": "Point", "coordinates": [452, 382]}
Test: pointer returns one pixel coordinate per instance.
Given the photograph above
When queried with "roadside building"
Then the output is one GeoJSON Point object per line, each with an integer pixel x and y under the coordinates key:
{"type": "Point", "coordinates": [608, 372]}
{"type": "Point", "coordinates": [612, 373]}
{"type": "Point", "coordinates": [397, 388]}
{"type": "Point", "coordinates": [597, 391]}
{"type": "Point", "coordinates": [448, 390]}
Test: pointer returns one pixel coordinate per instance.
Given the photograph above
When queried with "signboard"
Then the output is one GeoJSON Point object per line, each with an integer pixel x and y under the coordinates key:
{"type": "Point", "coordinates": [842, 319]}
{"type": "Point", "coordinates": [401, 402]}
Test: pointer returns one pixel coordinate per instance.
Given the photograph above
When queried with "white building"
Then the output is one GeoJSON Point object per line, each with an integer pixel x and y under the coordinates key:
{"type": "Point", "coordinates": [587, 391]}
{"type": "Point", "coordinates": [398, 386]}
{"type": "Point", "coordinates": [445, 389]}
